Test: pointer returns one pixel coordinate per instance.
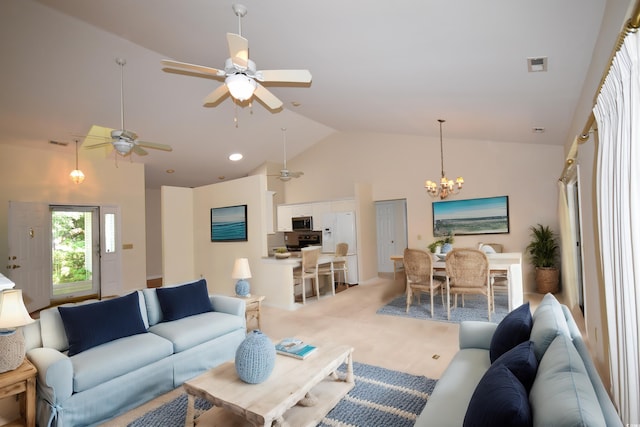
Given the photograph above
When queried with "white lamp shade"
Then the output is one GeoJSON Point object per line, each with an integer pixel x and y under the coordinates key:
{"type": "Point", "coordinates": [241, 269]}
{"type": "Point", "coordinates": [13, 313]}
{"type": "Point", "coordinates": [240, 86]}
{"type": "Point", "coordinates": [5, 282]}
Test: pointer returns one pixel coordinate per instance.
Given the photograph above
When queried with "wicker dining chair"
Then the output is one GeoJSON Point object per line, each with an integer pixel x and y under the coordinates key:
{"type": "Point", "coordinates": [467, 273]}
{"type": "Point", "coordinates": [308, 270]}
{"type": "Point", "coordinates": [499, 280]}
{"type": "Point", "coordinates": [337, 267]}
{"type": "Point", "coordinates": [418, 267]}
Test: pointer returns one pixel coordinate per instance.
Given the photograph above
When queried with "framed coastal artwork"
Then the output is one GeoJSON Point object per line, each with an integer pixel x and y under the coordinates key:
{"type": "Point", "coordinates": [489, 215]}
{"type": "Point", "coordinates": [229, 224]}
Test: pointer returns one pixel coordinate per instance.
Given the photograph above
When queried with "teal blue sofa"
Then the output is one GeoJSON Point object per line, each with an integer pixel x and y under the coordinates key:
{"type": "Point", "coordinates": [106, 380]}
{"type": "Point", "coordinates": [566, 389]}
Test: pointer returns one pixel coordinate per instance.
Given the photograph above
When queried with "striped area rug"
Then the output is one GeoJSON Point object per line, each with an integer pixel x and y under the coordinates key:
{"type": "Point", "coordinates": [381, 397]}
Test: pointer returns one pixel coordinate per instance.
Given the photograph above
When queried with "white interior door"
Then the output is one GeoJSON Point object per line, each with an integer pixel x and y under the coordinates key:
{"type": "Point", "coordinates": [29, 264]}
{"type": "Point", "coordinates": [391, 226]}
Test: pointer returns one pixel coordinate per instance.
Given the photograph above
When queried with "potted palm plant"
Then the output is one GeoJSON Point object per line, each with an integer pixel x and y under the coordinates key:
{"type": "Point", "coordinates": [543, 252]}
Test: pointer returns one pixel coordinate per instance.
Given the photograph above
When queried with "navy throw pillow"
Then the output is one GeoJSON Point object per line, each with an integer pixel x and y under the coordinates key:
{"type": "Point", "coordinates": [511, 331]}
{"type": "Point", "coordinates": [185, 300]}
{"type": "Point", "coordinates": [499, 400]}
{"type": "Point", "coordinates": [522, 362]}
{"type": "Point", "coordinates": [90, 325]}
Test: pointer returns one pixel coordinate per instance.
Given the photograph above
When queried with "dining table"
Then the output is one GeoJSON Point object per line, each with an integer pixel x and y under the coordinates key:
{"type": "Point", "coordinates": [504, 263]}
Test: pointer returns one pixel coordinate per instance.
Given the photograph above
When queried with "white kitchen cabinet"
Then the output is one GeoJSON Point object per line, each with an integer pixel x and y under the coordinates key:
{"type": "Point", "coordinates": [319, 209]}
{"type": "Point", "coordinates": [285, 212]}
{"type": "Point", "coordinates": [303, 209]}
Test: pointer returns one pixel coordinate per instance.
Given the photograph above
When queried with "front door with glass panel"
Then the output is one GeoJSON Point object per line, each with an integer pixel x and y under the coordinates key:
{"type": "Point", "coordinates": [75, 248]}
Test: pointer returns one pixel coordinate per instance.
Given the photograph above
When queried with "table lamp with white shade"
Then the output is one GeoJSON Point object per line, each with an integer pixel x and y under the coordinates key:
{"type": "Point", "coordinates": [242, 272]}
{"type": "Point", "coordinates": [13, 314]}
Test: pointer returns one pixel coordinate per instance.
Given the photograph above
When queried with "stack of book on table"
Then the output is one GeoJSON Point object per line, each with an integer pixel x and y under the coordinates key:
{"type": "Point", "coordinates": [294, 347]}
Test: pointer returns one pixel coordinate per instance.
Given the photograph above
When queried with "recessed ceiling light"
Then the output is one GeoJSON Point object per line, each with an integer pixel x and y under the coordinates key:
{"type": "Point", "coordinates": [221, 177]}
{"type": "Point", "coordinates": [235, 157]}
{"type": "Point", "coordinates": [537, 130]}
{"type": "Point", "coordinates": [170, 170]}
{"type": "Point", "coordinates": [295, 103]}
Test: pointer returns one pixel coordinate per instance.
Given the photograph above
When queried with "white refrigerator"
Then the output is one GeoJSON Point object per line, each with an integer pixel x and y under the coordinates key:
{"type": "Point", "coordinates": [340, 227]}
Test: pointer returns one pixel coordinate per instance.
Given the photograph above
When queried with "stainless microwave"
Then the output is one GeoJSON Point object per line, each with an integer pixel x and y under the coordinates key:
{"type": "Point", "coordinates": [302, 223]}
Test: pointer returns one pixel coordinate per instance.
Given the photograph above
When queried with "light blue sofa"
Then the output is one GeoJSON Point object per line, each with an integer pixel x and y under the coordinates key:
{"type": "Point", "coordinates": [109, 379]}
{"type": "Point", "coordinates": [566, 391]}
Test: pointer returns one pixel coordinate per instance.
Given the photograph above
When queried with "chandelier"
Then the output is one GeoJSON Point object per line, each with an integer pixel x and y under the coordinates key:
{"type": "Point", "coordinates": [447, 187]}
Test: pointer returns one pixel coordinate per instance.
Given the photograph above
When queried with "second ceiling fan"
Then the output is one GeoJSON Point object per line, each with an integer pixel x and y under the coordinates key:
{"type": "Point", "coordinates": [285, 174]}
{"type": "Point", "coordinates": [241, 77]}
{"type": "Point", "coordinates": [125, 141]}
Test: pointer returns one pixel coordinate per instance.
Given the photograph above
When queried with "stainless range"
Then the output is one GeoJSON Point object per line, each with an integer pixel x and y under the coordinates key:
{"type": "Point", "coordinates": [296, 240]}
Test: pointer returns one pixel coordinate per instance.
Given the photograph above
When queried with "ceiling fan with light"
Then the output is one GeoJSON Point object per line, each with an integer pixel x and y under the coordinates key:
{"type": "Point", "coordinates": [241, 78]}
{"type": "Point", "coordinates": [285, 174]}
{"type": "Point", "coordinates": [126, 141]}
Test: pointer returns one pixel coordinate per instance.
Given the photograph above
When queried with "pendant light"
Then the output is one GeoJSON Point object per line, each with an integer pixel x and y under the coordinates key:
{"type": "Point", "coordinates": [76, 175]}
{"type": "Point", "coordinates": [447, 187]}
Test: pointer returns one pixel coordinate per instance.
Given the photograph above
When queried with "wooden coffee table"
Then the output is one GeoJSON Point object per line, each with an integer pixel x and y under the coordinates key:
{"type": "Point", "coordinates": [237, 403]}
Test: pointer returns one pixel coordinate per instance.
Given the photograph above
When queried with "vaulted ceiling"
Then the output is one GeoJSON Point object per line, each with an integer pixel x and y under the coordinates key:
{"type": "Point", "coordinates": [378, 66]}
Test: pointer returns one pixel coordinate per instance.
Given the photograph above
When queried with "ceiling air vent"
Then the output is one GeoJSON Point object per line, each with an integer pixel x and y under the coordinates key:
{"type": "Point", "coordinates": [537, 64]}
{"type": "Point", "coordinates": [63, 144]}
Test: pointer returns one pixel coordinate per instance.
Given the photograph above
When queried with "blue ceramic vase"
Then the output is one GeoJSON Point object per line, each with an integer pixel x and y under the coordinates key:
{"type": "Point", "coordinates": [255, 358]}
{"type": "Point", "coordinates": [446, 248]}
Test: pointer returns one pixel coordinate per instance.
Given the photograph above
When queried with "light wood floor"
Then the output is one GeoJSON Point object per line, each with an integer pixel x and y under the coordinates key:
{"type": "Point", "coordinates": [414, 346]}
{"type": "Point", "coordinates": [409, 345]}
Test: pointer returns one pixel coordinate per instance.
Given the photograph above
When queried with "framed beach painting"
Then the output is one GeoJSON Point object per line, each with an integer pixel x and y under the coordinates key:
{"type": "Point", "coordinates": [229, 224]}
{"type": "Point", "coordinates": [489, 215]}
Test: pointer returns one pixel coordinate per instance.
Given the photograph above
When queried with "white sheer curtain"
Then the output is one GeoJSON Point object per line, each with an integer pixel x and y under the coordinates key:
{"type": "Point", "coordinates": [567, 250]}
{"type": "Point", "coordinates": [617, 112]}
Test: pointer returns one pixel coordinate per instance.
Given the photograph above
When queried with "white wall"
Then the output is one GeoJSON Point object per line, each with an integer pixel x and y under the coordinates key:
{"type": "Point", "coordinates": [154, 233]}
{"type": "Point", "coordinates": [42, 175]}
{"type": "Point", "coordinates": [178, 256]}
{"type": "Point", "coordinates": [189, 252]}
{"type": "Point", "coordinates": [396, 167]}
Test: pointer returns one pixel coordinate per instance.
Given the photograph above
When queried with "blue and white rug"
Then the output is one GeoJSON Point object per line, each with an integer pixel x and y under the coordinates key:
{"type": "Point", "coordinates": [475, 308]}
{"type": "Point", "coordinates": [380, 397]}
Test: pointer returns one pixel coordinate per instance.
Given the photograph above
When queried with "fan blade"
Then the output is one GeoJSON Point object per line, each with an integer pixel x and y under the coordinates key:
{"type": "Point", "coordinates": [267, 97]}
{"type": "Point", "coordinates": [97, 133]}
{"type": "Point", "coordinates": [216, 95]}
{"type": "Point", "coordinates": [139, 151]}
{"type": "Point", "coordinates": [291, 76]}
{"type": "Point", "coordinates": [154, 145]}
{"type": "Point", "coordinates": [296, 174]}
{"type": "Point", "coordinates": [238, 49]}
{"type": "Point", "coordinates": [102, 144]}
{"type": "Point", "coordinates": [193, 67]}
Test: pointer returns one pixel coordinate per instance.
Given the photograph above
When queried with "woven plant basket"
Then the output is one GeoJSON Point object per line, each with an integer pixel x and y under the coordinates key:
{"type": "Point", "coordinates": [547, 280]}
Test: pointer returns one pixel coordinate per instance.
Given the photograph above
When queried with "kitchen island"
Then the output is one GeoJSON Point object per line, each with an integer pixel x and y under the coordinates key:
{"type": "Point", "coordinates": [281, 272]}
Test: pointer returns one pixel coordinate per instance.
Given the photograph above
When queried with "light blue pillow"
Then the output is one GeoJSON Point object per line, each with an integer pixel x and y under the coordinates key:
{"type": "Point", "coordinates": [548, 323]}
{"type": "Point", "coordinates": [154, 312]}
{"type": "Point", "coordinates": [562, 394]}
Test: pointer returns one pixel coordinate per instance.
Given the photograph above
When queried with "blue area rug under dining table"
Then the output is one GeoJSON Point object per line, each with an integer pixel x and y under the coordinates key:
{"type": "Point", "coordinates": [380, 397]}
{"type": "Point", "coordinates": [475, 308]}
